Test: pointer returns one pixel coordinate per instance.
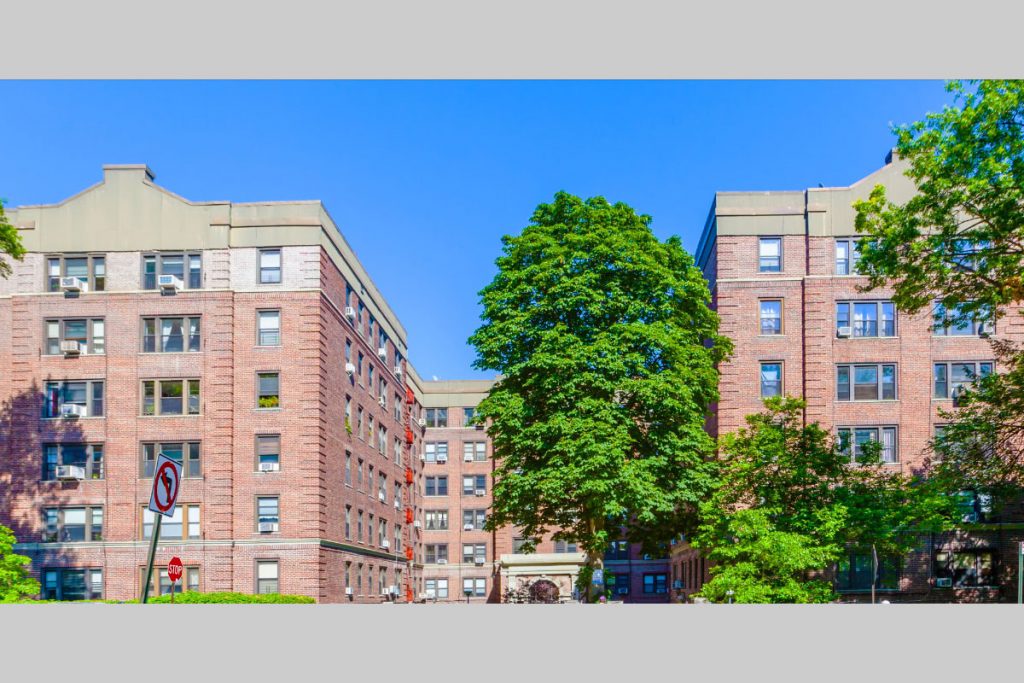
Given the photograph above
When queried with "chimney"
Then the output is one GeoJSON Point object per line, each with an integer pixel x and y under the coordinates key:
{"type": "Point", "coordinates": [127, 171]}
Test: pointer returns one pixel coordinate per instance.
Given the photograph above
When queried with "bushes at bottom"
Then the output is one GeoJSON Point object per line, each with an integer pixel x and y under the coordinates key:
{"type": "Point", "coordinates": [193, 598]}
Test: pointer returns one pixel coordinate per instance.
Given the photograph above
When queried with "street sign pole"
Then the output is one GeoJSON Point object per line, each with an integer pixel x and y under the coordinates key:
{"type": "Point", "coordinates": [152, 556]}
{"type": "Point", "coordinates": [1020, 574]}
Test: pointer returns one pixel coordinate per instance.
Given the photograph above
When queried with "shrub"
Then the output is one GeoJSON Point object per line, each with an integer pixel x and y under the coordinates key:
{"type": "Point", "coordinates": [193, 598]}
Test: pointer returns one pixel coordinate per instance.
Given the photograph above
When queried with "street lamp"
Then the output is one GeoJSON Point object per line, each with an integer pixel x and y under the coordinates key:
{"type": "Point", "coordinates": [730, 593]}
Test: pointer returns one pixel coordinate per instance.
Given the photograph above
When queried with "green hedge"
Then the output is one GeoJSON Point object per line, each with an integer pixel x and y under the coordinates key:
{"type": "Point", "coordinates": [192, 598]}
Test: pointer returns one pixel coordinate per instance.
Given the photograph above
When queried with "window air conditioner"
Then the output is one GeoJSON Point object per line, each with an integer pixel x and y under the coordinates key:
{"type": "Point", "coordinates": [467, 527]}
{"type": "Point", "coordinates": [442, 560]}
{"type": "Point", "coordinates": [383, 402]}
{"type": "Point", "coordinates": [266, 527]}
{"type": "Point", "coordinates": [350, 313]}
{"type": "Point", "coordinates": [169, 282]}
{"type": "Point", "coordinates": [478, 562]}
{"type": "Point", "coordinates": [72, 410]}
{"type": "Point", "coordinates": [423, 458]}
{"type": "Point", "coordinates": [844, 331]}
{"type": "Point", "coordinates": [480, 492]}
{"type": "Point", "coordinates": [385, 543]}
{"type": "Point", "coordinates": [348, 591]}
{"type": "Point", "coordinates": [350, 368]}
{"type": "Point", "coordinates": [70, 472]}
{"type": "Point", "coordinates": [442, 459]}
{"type": "Point", "coordinates": [382, 352]}
{"type": "Point", "coordinates": [422, 422]}
{"type": "Point", "coordinates": [380, 495]}
{"type": "Point", "coordinates": [467, 457]}
{"type": "Point", "coordinates": [398, 371]}
{"type": "Point", "coordinates": [71, 347]}
{"type": "Point", "coordinates": [73, 284]}
{"type": "Point", "coordinates": [946, 582]}
{"type": "Point", "coordinates": [986, 329]}
{"type": "Point", "coordinates": [430, 593]}
{"type": "Point", "coordinates": [268, 467]}
{"type": "Point", "coordinates": [478, 426]}
{"type": "Point", "coordinates": [417, 524]}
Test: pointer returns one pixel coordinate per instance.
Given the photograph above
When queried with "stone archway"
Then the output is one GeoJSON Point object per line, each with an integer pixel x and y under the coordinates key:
{"type": "Point", "coordinates": [543, 591]}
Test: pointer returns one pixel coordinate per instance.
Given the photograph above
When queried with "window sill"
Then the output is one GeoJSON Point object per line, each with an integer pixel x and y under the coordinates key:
{"type": "Point", "coordinates": [760, 336]}
{"type": "Point", "coordinates": [267, 410]}
{"type": "Point", "coordinates": [875, 338]}
{"type": "Point", "coordinates": [172, 415]}
{"type": "Point", "coordinates": [79, 355]}
{"type": "Point", "coordinates": [268, 346]}
{"type": "Point", "coordinates": [877, 400]}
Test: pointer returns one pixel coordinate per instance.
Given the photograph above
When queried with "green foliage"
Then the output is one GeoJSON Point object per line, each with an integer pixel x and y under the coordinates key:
{"type": "Point", "coordinates": [348, 426]}
{"type": "Point", "coordinates": [10, 243]}
{"type": "Point", "coordinates": [271, 402]}
{"type": "Point", "coordinates": [968, 164]}
{"type": "Point", "coordinates": [607, 351]}
{"type": "Point", "coordinates": [195, 598]}
{"type": "Point", "coordinates": [788, 502]}
{"type": "Point", "coordinates": [15, 582]}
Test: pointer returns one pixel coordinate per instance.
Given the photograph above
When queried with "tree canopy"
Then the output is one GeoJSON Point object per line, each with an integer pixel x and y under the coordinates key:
{"type": "Point", "coordinates": [10, 243]}
{"type": "Point", "coordinates": [15, 582]}
{"type": "Point", "coordinates": [607, 352]}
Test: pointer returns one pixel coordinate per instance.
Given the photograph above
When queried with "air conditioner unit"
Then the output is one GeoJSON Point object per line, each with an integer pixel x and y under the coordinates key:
{"type": "Point", "coordinates": [394, 590]}
{"type": "Point", "coordinates": [382, 352]}
{"type": "Point", "coordinates": [986, 329]}
{"type": "Point", "coordinates": [478, 562]}
{"type": "Point", "coordinates": [398, 371]}
{"type": "Point", "coordinates": [467, 457]}
{"type": "Point", "coordinates": [622, 590]}
{"type": "Point", "coordinates": [266, 527]}
{"type": "Point", "coordinates": [380, 495]}
{"type": "Point", "coordinates": [71, 347]}
{"type": "Point", "coordinates": [269, 467]}
{"type": "Point", "coordinates": [442, 560]}
{"type": "Point", "coordinates": [844, 331]}
{"type": "Point", "coordinates": [73, 284]}
{"type": "Point", "coordinates": [946, 582]}
{"type": "Point", "coordinates": [350, 368]}
{"type": "Point", "coordinates": [72, 410]}
{"type": "Point", "coordinates": [169, 282]}
{"type": "Point", "coordinates": [70, 472]}
{"type": "Point", "coordinates": [350, 313]}
{"type": "Point", "coordinates": [480, 492]}
{"type": "Point", "coordinates": [385, 543]}
{"type": "Point", "coordinates": [417, 524]}
{"type": "Point", "coordinates": [423, 458]}
{"type": "Point", "coordinates": [398, 503]}
{"type": "Point", "coordinates": [383, 402]}
{"type": "Point", "coordinates": [478, 426]}
{"type": "Point", "coordinates": [441, 459]}
{"type": "Point", "coordinates": [677, 584]}
{"type": "Point", "coordinates": [348, 591]}
{"type": "Point", "coordinates": [428, 594]}
{"type": "Point", "coordinates": [422, 422]}
{"type": "Point", "coordinates": [467, 527]}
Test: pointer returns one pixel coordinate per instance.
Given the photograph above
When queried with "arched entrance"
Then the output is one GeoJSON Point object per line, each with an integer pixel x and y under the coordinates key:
{"type": "Point", "coordinates": [543, 591]}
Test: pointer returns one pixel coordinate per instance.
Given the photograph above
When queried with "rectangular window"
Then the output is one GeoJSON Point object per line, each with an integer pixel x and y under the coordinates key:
{"type": "Point", "coordinates": [869, 382]}
{"type": "Point", "coordinates": [91, 271]}
{"type": "Point", "coordinates": [476, 587]}
{"type": "Point", "coordinates": [87, 333]}
{"type": "Point", "coordinates": [170, 335]}
{"type": "Point", "coordinates": [348, 528]}
{"type": "Point", "coordinates": [185, 453]}
{"type": "Point", "coordinates": [348, 468]}
{"type": "Point", "coordinates": [566, 547]}
{"type": "Point", "coordinates": [655, 583]}
{"type": "Point", "coordinates": [359, 526]}
{"type": "Point", "coordinates": [184, 524]}
{"type": "Point", "coordinates": [951, 379]}
{"type": "Point", "coordinates": [268, 390]}
{"type": "Point", "coordinates": [474, 484]}
{"type": "Point", "coordinates": [73, 399]}
{"type": "Point", "coordinates": [268, 328]}
{"type": "Point", "coordinates": [436, 589]}
{"type": "Point", "coordinates": [852, 440]}
{"type": "Point", "coordinates": [855, 572]}
{"type": "Point", "coordinates": [619, 583]}
{"type": "Point", "coordinates": [474, 519]}
{"type": "Point", "coordinates": [270, 266]}
{"type": "Point", "coordinates": [869, 319]}
{"type": "Point", "coordinates": [847, 255]}
{"type": "Point", "coordinates": [88, 458]}
{"type": "Point", "coordinates": [155, 265]}
{"type": "Point", "coordinates": [435, 552]}
{"type": "Point", "coordinates": [268, 452]}
{"type": "Point", "coordinates": [771, 316]}
{"type": "Point", "coordinates": [965, 567]}
{"type": "Point", "coordinates": [266, 576]}
{"type": "Point", "coordinates": [474, 451]}
{"type": "Point", "coordinates": [436, 451]}
{"type": "Point", "coordinates": [170, 397]}
{"type": "Point", "coordinates": [770, 254]}
{"type": "Point", "coordinates": [771, 379]}
{"type": "Point", "coordinates": [72, 584]}
{"type": "Point", "coordinates": [267, 511]}
{"type": "Point", "coordinates": [162, 583]}
{"type": "Point", "coordinates": [973, 326]}
{"type": "Point", "coordinates": [436, 520]}
{"type": "Point", "coordinates": [73, 524]}
{"type": "Point", "coordinates": [437, 417]}
{"type": "Point", "coordinates": [437, 486]}
{"type": "Point", "coordinates": [474, 552]}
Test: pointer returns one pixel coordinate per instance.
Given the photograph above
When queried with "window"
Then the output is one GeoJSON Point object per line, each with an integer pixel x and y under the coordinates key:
{"type": "Point", "coordinates": [467, 416]}
{"type": "Point", "coordinates": [89, 333]}
{"type": "Point", "coordinates": [73, 524]}
{"type": "Point", "coordinates": [436, 520]}
{"type": "Point", "coordinates": [359, 367]}
{"type": "Point", "coordinates": [170, 335]}
{"type": "Point", "coordinates": [437, 417]}
{"type": "Point", "coordinates": [183, 525]}
{"type": "Point", "coordinates": [382, 487]}
{"type": "Point", "coordinates": [162, 583]}
{"type": "Point", "coordinates": [87, 456]}
{"type": "Point", "coordinates": [369, 481]}
{"type": "Point", "coordinates": [619, 583]}
{"type": "Point", "coordinates": [870, 319]}
{"type": "Point", "coordinates": [853, 439]}
{"type": "Point", "coordinates": [655, 583]}
{"type": "Point", "coordinates": [771, 316]}
{"type": "Point", "coordinates": [72, 584]}
{"type": "Point", "coordinates": [267, 510]}
{"type": "Point", "coordinates": [268, 452]}
{"type": "Point", "coordinates": [359, 475]}
{"type": "Point", "coordinates": [270, 266]}
{"type": "Point", "coordinates": [382, 532]}
{"type": "Point", "coordinates": [184, 453]}
{"type": "Point", "coordinates": [268, 328]}
{"type": "Point", "coordinates": [435, 552]}
{"type": "Point", "coordinates": [268, 390]}
{"type": "Point", "coordinates": [771, 379]}
{"type": "Point", "coordinates": [517, 544]}
{"type": "Point", "coordinates": [154, 265]}
{"type": "Point", "coordinates": [855, 572]}
{"type": "Point", "coordinates": [170, 397]}
{"type": "Point", "coordinates": [474, 552]}
{"type": "Point", "coordinates": [437, 486]}
{"type": "Point", "coordinates": [76, 398]}
{"type": "Point", "coordinates": [398, 451]}
{"type": "Point", "coordinates": [476, 587]}
{"type": "Point", "coordinates": [950, 379]}
{"type": "Point", "coordinates": [847, 256]}
{"type": "Point", "coordinates": [369, 375]}
{"type": "Point", "coordinates": [565, 547]}
{"type": "Point", "coordinates": [436, 451]}
{"type": "Point", "coordinates": [348, 468]}
{"type": "Point", "coordinates": [870, 382]}
{"type": "Point", "coordinates": [474, 518]}
{"type": "Point", "coordinates": [369, 429]}
{"type": "Point", "coordinates": [973, 326]}
{"type": "Point", "coordinates": [770, 254]}
{"type": "Point", "coordinates": [348, 529]}
{"type": "Point", "coordinates": [266, 576]}
{"type": "Point", "coordinates": [436, 589]}
{"type": "Point", "coordinates": [359, 526]}
{"type": "Point", "coordinates": [474, 451]}
{"type": "Point", "coordinates": [359, 422]}
{"type": "Point", "coordinates": [397, 406]}
{"type": "Point", "coordinates": [398, 495]}
{"type": "Point", "coordinates": [965, 567]}
{"type": "Point", "coordinates": [382, 440]}
{"type": "Point", "coordinates": [618, 550]}
{"type": "Point", "coordinates": [91, 270]}
{"type": "Point", "coordinates": [473, 484]}
{"type": "Point", "coordinates": [964, 254]}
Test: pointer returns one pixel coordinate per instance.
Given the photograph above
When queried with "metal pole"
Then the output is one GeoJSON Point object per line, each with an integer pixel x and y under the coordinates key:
{"type": "Point", "coordinates": [1020, 574]}
{"type": "Point", "coordinates": [152, 556]}
{"type": "Point", "coordinates": [874, 571]}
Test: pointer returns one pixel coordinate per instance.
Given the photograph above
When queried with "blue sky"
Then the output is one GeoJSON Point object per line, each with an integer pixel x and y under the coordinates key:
{"type": "Point", "coordinates": [424, 177]}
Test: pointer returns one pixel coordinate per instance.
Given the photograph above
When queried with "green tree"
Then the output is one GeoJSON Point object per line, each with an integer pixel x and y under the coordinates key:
{"type": "Point", "coordinates": [15, 582]}
{"type": "Point", "coordinates": [607, 350]}
{"type": "Point", "coordinates": [10, 243]}
{"type": "Point", "coordinates": [788, 502]}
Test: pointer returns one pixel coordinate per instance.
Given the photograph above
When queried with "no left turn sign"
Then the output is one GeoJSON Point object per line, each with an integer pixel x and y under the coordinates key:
{"type": "Point", "coordinates": [165, 486]}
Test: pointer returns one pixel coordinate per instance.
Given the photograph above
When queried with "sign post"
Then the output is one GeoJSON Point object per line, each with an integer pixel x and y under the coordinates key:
{"type": "Point", "coordinates": [166, 478]}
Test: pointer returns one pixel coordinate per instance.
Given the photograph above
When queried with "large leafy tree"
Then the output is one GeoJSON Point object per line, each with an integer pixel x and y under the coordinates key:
{"type": "Point", "coordinates": [10, 243]}
{"type": "Point", "coordinates": [607, 351]}
{"type": "Point", "coordinates": [15, 582]}
{"type": "Point", "coordinates": [788, 503]}
{"type": "Point", "coordinates": [960, 240]}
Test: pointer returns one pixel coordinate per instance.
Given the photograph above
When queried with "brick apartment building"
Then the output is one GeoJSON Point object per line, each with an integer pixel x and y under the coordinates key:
{"type": "Point", "coordinates": [782, 272]}
{"type": "Point", "coordinates": [245, 340]}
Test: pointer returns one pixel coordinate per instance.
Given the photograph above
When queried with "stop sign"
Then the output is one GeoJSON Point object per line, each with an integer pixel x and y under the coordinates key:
{"type": "Point", "coordinates": [174, 570]}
